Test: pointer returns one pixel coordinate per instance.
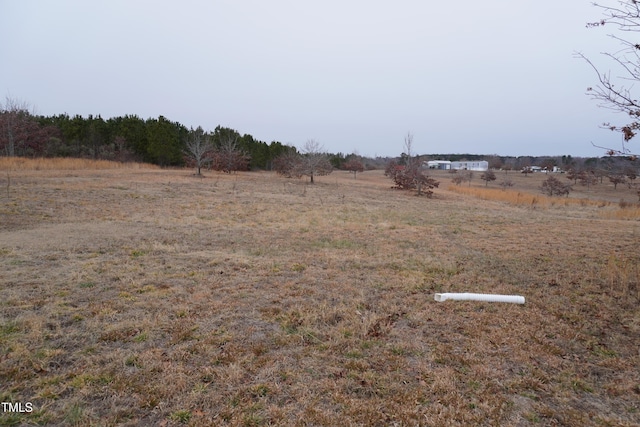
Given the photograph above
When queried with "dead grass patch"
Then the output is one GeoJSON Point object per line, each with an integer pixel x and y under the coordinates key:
{"type": "Point", "coordinates": [134, 297]}
{"type": "Point", "coordinates": [63, 163]}
{"type": "Point", "coordinates": [522, 198]}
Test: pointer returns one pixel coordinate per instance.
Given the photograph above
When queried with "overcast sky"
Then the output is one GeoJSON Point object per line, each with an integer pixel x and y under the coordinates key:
{"type": "Point", "coordinates": [485, 77]}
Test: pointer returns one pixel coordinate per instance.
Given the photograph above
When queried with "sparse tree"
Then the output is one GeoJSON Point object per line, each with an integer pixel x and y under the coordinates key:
{"type": "Point", "coordinates": [616, 179]}
{"type": "Point", "coordinates": [553, 187]}
{"type": "Point", "coordinates": [20, 132]}
{"type": "Point", "coordinates": [410, 175]}
{"type": "Point", "coordinates": [228, 157]}
{"type": "Point", "coordinates": [467, 176]}
{"type": "Point", "coordinates": [313, 161]}
{"type": "Point", "coordinates": [354, 166]}
{"type": "Point", "coordinates": [488, 176]}
{"type": "Point", "coordinates": [14, 115]}
{"type": "Point", "coordinates": [286, 164]}
{"type": "Point", "coordinates": [199, 149]}
{"type": "Point", "coordinates": [457, 179]}
{"type": "Point", "coordinates": [573, 174]}
{"type": "Point", "coordinates": [507, 183]}
{"type": "Point", "coordinates": [588, 178]}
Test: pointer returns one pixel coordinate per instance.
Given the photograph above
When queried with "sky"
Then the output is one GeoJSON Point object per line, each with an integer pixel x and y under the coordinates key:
{"type": "Point", "coordinates": [481, 77]}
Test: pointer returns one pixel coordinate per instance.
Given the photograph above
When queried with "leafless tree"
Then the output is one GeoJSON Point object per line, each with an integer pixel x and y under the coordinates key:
{"type": "Point", "coordinates": [488, 176]}
{"type": "Point", "coordinates": [410, 175]}
{"type": "Point", "coordinates": [228, 157]}
{"type": "Point", "coordinates": [199, 149]}
{"type": "Point", "coordinates": [507, 183]}
{"type": "Point", "coordinates": [617, 179]}
{"type": "Point", "coordinates": [457, 179]}
{"type": "Point", "coordinates": [553, 187]}
{"type": "Point", "coordinates": [467, 176]}
{"type": "Point", "coordinates": [286, 164]}
{"type": "Point", "coordinates": [313, 161]}
{"type": "Point", "coordinates": [20, 133]}
{"type": "Point", "coordinates": [624, 16]}
{"type": "Point", "coordinates": [354, 166]}
{"type": "Point", "coordinates": [13, 113]}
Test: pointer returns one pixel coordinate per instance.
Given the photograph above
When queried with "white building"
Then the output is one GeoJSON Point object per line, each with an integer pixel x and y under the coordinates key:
{"type": "Point", "coordinates": [480, 165]}
{"type": "Point", "coordinates": [438, 164]}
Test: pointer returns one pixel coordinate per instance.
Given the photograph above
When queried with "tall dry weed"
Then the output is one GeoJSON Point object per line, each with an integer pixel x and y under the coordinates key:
{"type": "Point", "coordinates": [64, 163]}
{"type": "Point", "coordinates": [519, 198]}
{"type": "Point", "coordinates": [622, 276]}
{"type": "Point", "coordinates": [623, 213]}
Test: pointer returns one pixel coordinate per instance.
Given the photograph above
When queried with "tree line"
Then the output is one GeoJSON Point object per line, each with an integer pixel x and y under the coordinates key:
{"type": "Point", "coordinates": [124, 138]}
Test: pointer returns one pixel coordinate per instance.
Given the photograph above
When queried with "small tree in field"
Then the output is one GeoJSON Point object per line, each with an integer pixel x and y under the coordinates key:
{"type": "Point", "coordinates": [458, 179]}
{"type": "Point", "coordinates": [574, 175]}
{"type": "Point", "coordinates": [488, 176]}
{"type": "Point", "coordinates": [410, 175]}
{"type": "Point", "coordinates": [286, 164]}
{"type": "Point", "coordinates": [553, 187]}
{"type": "Point", "coordinates": [617, 179]}
{"type": "Point", "coordinates": [467, 176]}
{"type": "Point", "coordinates": [354, 166]}
{"type": "Point", "coordinates": [313, 161]}
{"type": "Point", "coordinates": [228, 157]}
{"type": "Point", "coordinates": [199, 150]}
{"type": "Point", "coordinates": [507, 183]}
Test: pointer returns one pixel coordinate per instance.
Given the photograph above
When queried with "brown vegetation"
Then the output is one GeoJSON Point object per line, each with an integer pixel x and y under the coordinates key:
{"type": "Point", "coordinates": [148, 297]}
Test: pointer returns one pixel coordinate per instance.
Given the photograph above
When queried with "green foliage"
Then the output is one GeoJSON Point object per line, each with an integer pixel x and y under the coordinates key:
{"type": "Point", "coordinates": [123, 138]}
{"type": "Point", "coordinates": [165, 141]}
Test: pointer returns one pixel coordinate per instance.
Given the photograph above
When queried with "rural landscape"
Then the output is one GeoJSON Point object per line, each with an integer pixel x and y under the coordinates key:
{"type": "Point", "coordinates": [138, 295]}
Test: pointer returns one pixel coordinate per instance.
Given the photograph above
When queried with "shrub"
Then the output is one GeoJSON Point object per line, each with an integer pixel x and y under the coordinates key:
{"type": "Point", "coordinates": [553, 187]}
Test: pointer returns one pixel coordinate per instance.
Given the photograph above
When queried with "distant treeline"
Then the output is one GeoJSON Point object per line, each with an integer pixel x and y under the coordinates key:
{"type": "Point", "coordinates": [126, 138]}
{"type": "Point", "coordinates": [161, 141]}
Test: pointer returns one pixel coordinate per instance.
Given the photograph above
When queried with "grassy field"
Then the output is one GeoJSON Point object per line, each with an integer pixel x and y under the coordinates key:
{"type": "Point", "coordinates": [141, 296]}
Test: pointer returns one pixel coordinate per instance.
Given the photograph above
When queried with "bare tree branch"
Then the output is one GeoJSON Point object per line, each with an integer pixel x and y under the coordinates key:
{"type": "Point", "coordinates": [199, 148]}
{"type": "Point", "coordinates": [626, 18]}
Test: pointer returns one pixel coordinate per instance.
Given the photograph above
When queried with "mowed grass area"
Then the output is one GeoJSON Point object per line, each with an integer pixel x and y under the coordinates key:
{"type": "Point", "coordinates": [153, 297]}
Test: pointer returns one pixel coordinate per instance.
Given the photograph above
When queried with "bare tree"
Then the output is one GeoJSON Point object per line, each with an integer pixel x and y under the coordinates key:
{"type": "Point", "coordinates": [488, 176]}
{"type": "Point", "coordinates": [13, 113]}
{"type": "Point", "coordinates": [507, 183]}
{"type": "Point", "coordinates": [199, 149]}
{"type": "Point", "coordinates": [617, 179]}
{"type": "Point", "coordinates": [228, 157]}
{"type": "Point", "coordinates": [625, 17]}
{"type": "Point", "coordinates": [457, 179]}
{"type": "Point", "coordinates": [313, 161]}
{"type": "Point", "coordinates": [286, 164]}
{"type": "Point", "coordinates": [20, 132]}
{"type": "Point", "coordinates": [553, 187]}
{"type": "Point", "coordinates": [354, 166]}
{"type": "Point", "coordinates": [409, 174]}
{"type": "Point", "coordinates": [467, 176]}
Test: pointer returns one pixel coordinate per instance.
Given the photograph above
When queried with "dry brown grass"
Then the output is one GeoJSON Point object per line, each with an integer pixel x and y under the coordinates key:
{"type": "Point", "coordinates": [618, 203]}
{"type": "Point", "coordinates": [152, 297]}
{"type": "Point", "coordinates": [61, 163]}
{"type": "Point", "coordinates": [522, 198]}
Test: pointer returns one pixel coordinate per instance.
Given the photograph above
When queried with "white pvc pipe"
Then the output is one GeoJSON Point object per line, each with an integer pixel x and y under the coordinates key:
{"type": "Point", "coordinates": [515, 299]}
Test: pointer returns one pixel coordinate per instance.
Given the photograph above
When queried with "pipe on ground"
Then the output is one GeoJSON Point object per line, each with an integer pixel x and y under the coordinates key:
{"type": "Point", "coordinates": [514, 299]}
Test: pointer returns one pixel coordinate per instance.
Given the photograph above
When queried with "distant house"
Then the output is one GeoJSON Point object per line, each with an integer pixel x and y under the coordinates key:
{"type": "Point", "coordinates": [439, 164]}
{"type": "Point", "coordinates": [481, 165]}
